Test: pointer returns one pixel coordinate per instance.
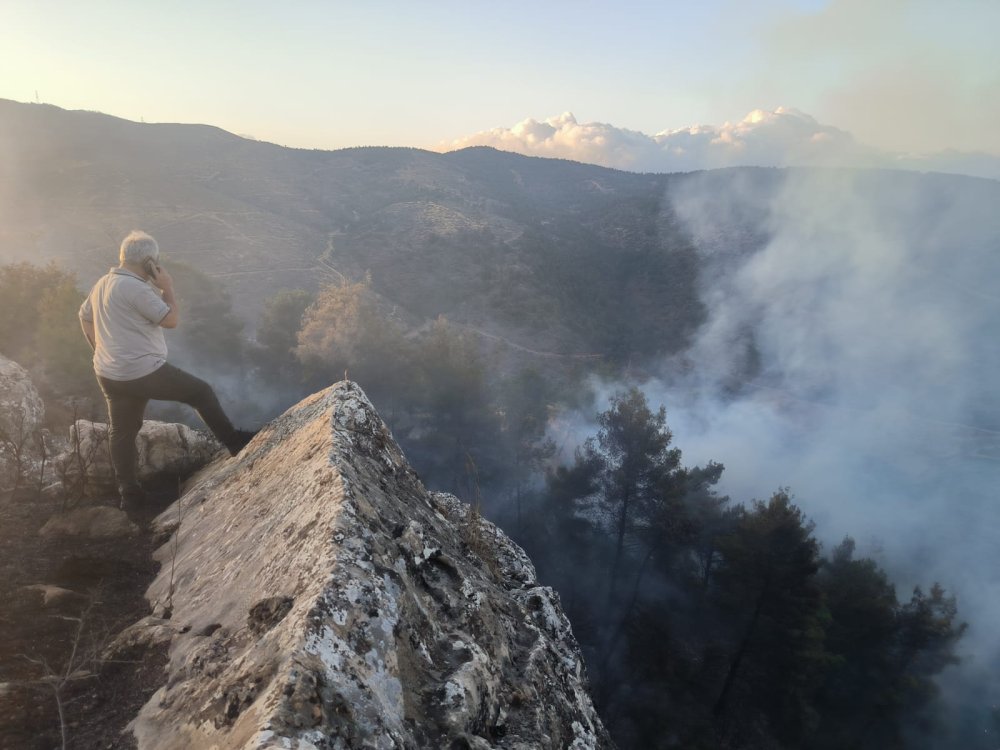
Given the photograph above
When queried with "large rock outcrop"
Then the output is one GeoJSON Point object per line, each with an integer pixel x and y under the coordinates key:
{"type": "Point", "coordinates": [81, 465]}
{"type": "Point", "coordinates": [21, 415]}
{"type": "Point", "coordinates": [93, 522]}
{"type": "Point", "coordinates": [320, 597]}
{"type": "Point", "coordinates": [162, 449]}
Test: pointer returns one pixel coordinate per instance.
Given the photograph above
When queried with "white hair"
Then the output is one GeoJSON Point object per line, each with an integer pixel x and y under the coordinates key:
{"type": "Point", "coordinates": [137, 247]}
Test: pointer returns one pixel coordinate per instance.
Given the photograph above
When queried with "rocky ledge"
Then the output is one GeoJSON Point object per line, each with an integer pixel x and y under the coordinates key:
{"type": "Point", "coordinates": [316, 595]}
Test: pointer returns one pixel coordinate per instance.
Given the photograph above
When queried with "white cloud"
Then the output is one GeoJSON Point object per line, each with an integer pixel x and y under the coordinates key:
{"type": "Point", "coordinates": [563, 137]}
{"type": "Point", "coordinates": [779, 138]}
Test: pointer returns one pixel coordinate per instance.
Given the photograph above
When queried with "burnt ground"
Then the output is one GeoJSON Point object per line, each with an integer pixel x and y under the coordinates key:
{"type": "Point", "coordinates": [108, 578]}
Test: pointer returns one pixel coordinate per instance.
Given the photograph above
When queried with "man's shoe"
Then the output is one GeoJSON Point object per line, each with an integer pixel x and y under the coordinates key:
{"type": "Point", "coordinates": [239, 440]}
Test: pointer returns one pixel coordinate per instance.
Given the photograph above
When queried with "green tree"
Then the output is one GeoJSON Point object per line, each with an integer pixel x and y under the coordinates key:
{"type": "Point", "coordinates": [570, 550]}
{"type": "Point", "coordinates": [862, 623]}
{"type": "Point", "coordinates": [708, 519]}
{"type": "Point", "coordinates": [885, 655]}
{"type": "Point", "coordinates": [862, 608]}
{"type": "Point", "coordinates": [654, 525]}
{"type": "Point", "coordinates": [525, 400]}
{"type": "Point", "coordinates": [39, 327]}
{"type": "Point", "coordinates": [927, 633]}
{"type": "Point", "coordinates": [65, 357]}
{"type": "Point", "coordinates": [634, 443]}
{"type": "Point", "coordinates": [22, 288]}
{"type": "Point", "coordinates": [344, 331]}
{"type": "Point", "coordinates": [766, 587]}
{"type": "Point", "coordinates": [278, 330]}
{"type": "Point", "coordinates": [210, 333]}
{"type": "Point", "coordinates": [457, 418]}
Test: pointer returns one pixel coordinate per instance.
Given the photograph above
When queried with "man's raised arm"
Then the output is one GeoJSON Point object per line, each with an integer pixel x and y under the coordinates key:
{"type": "Point", "coordinates": [163, 281]}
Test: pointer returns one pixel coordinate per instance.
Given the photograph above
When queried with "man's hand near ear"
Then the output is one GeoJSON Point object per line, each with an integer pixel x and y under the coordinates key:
{"type": "Point", "coordinates": [165, 283]}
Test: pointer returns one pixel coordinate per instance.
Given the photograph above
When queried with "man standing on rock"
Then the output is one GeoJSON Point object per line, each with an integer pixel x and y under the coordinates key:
{"type": "Point", "coordinates": [123, 318]}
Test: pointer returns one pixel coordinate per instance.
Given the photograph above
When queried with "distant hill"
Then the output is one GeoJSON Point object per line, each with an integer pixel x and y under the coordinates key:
{"type": "Point", "coordinates": [551, 254]}
{"type": "Point", "coordinates": [523, 247]}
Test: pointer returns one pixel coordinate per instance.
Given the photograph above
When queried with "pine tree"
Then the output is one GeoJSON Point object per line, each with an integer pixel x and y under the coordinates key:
{"type": "Point", "coordinates": [634, 443]}
{"type": "Point", "coordinates": [766, 588]}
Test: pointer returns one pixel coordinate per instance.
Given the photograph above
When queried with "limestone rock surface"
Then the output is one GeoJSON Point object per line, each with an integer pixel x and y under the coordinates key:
{"type": "Point", "coordinates": [21, 415]}
{"type": "Point", "coordinates": [163, 448]}
{"type": "Point", "coordinates": [321, 597]}
{"type": "Point", "coordinates": [138, 638]}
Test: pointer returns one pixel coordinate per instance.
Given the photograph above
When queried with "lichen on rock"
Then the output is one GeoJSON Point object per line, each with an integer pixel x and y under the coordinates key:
{"type": "Point", "coordinates": [321, 597]}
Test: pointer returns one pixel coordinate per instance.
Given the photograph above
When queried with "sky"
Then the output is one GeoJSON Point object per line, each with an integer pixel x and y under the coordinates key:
{"type": "Point", "coordinates": [898, 77]}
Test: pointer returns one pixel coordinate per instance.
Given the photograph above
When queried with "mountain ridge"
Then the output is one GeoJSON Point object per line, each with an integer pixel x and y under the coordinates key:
{"type": "Point", "coordinates": [552, 254]}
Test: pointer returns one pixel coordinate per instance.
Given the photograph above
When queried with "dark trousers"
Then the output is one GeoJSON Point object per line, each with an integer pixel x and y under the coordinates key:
{"type": "Point", "coordinates": [127, 401]}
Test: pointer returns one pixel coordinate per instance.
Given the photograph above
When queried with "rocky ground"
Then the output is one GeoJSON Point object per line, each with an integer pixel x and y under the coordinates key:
{"type": "Point", "coordinates": [63, 600]}
{"type": "Point", "coordinates": [74, 570]}
{"type": "Point", "coordinates": [311, 591]}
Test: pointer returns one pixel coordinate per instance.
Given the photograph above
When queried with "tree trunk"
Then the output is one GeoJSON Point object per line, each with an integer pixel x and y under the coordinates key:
{"type": "Point", "coordinates": [604, 683]}
{"type": "Point", "coordinates": [622, 519]}
{"type": "Point", "coordinates": [734, 667]}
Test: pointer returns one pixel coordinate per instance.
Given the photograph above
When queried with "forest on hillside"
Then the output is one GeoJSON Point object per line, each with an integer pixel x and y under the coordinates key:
{"type": "Point", "coordinates": [706, 621]}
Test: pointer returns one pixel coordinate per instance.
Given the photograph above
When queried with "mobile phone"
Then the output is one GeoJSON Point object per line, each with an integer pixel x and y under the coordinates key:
{"type": "Point", "coordinates": [151, 268]}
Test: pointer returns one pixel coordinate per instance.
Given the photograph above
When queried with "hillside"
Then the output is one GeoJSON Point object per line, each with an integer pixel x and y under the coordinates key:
{"type": "Point", "coordinates": [553, 255]}
{"type": "Point", "coordinates": [517, 246]}
{"type": "Point", "coordinates": [824, 330]}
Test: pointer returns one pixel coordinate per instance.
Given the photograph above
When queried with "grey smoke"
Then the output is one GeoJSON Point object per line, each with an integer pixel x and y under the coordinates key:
{"type": "Point", "coordinates": [851, 355]}
{"type": "Point", "coordinates": [874, 313]}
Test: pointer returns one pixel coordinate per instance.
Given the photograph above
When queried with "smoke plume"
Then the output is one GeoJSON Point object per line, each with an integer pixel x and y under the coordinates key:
{"type": "Point", "coordinates": [850, 355]}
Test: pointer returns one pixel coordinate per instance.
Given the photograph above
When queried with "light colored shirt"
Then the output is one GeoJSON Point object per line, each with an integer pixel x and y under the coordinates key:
{"type": "Point", "coordinates": [126, 313]}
